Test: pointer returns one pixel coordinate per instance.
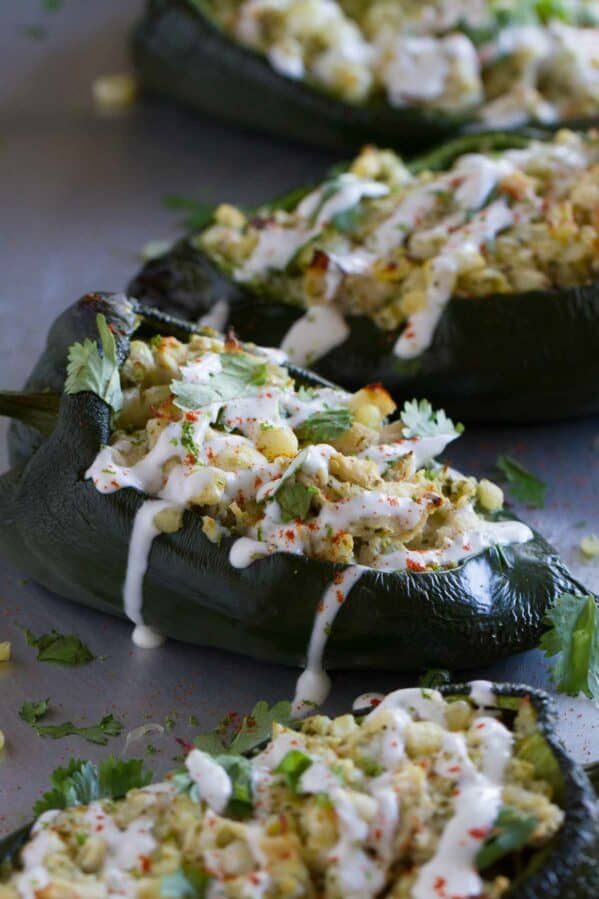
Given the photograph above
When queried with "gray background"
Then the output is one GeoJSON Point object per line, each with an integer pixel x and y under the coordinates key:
{"type": "Point", "coordinates": [80, 194]}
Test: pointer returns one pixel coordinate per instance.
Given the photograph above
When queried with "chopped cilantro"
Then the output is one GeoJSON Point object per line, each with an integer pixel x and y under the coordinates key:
{"type": "Point", "coordinates": [292, 766]}
{"type": "Point", "coordinates": [573, 638]}
{"type": "Point", "coordinates": [322, 427]}
{"type": "Point", "coordinates": [524, 486]}
{"type": "Point", "coordinates": [421, 420]}
{"type": "Point", "coordinates": [254, 729]}
{"type": "Point", "coordinates": [294, 500]}
{"type": "Point", "coordinates": [187, 440]}
{"type": "Point", "coordinates": [82, 782]}
{"type": "Point", "coordinates": [240, 375]}
{"type": "Point", "coordinates": [187, 882]}
{"type": "Point", "coordinates": [87, 369]}
{"type": "Point", "coordinates": [62, 649]}
{"type": "Point", "coordinates": [31, 712]}
{"type": "Point", "coordinates": [435, 677]}
{"type": "Point", "coordinates": [511, 832]}
{"type": "Point", "coordinates": [349, 220]}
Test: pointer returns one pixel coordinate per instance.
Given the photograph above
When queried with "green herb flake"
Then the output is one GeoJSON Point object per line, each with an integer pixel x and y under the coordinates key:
{"type": "Point", "coordinates": [61, 649]}
{"type": "Point", "coordinates": [187, 440]}
{"type": "Point", "coordinates": [31, 712]}
{"type": "Point", "coordinates": [322, 427]}
{"type": "Point", "coordinates": [82, 782]}
{"type": "Point", "coordinates": [254, 729]}
{"type": "Point", "coordinates": [240, 375]}
{"type": "Point", "coordinates": [96, 733]}
{"type": "Point", "coordinates": [292, 766]}
{"type": "Point", "coordinates": [421, 420]}
{"type": "Point", "coordinates": [511, 832]}
{"type": "Point", "coordinates": [187, 882]}
{"type": "Point", "coordinates": [523, 485]}
{"type": "Point", "coordinates": [294, 500]}
{"type": "Point", "coordinates": [88, 369]}
{"type": "Point", "coordinates": [573, 639]}
{"type": "Point", "coordinates": [435, 677]}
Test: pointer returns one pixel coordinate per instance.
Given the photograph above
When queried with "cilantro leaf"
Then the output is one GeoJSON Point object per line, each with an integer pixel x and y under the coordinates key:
{"type": "Point", "coordinates": [255, 729]}
{"type": "Point", "coordinates": [524, 486]}
{"type": "Point", "coordinates": [511, 832]}
{"type": "Point", "coordinates": [435, 677]}
{"type": "Point", "coordinates": [322, 427]}
{"type": "Point", "coordinates": [62, 649]}
{"type": "Point", "coordinates": [187, 440]}
{"type": "Point", "coordinates": [82, 782]}
{"type": "Point", "coordinates": [186, 882]}
{"type": "Point", "coordinates": [88, 369]}
{"type": "Point", "coordinates": [96, 733]}
{"type": "Point", "coordinates": [239, 769]}
{"type": "Point", "coordinates": [348, 220]}
{"type": "Point", "coordinates": [199, 214]}
{"type": "Point", "coordinates": [31, 712]}
{"type": "Point", "coordinates": [240, 375]}
{"type": "Point", "coordinates": [421, 420]}
{"type": "Point", "coordinates": [292, 766]}
{"type": "Point", "coordinates": [294, 500]}
{"type": "Point", "coordinates": [573, 638]}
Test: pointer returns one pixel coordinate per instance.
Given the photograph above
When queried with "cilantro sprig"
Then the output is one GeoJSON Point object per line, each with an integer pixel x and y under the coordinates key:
{"type": "Point", "coordinates": [322, 427]}
{"type": "Point", "coordinates": [294, 500]}
{"type": "Point", "coordinates": [90, 369]}
{"type": "Point", "coordinates": [35, 711]}
{"type": "Point", "coordinates": [511, 831]}
{"type": "Point", "coordinates": [82, 782]}
{"type": "Point", "coordinates": [421, 420]}
{"type": "Point", "coordinates": [523, 485]}
{"type": "Point", "coordinates": [572, 640]}
{"type": "Point", "coordinates": [61, 649]}
{"type": "Point", "coordinates": [240, 375]}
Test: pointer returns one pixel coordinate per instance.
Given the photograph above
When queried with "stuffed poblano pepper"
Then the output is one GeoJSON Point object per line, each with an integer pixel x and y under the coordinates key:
{"type": "Point", "coordinates": [408, 74]}
{"type": "Point", "coordinates": [213, 495]}
{"type": "Point", "coordinates": [461, 793]}
{"type": "Point", "coordinates": [470, 277]}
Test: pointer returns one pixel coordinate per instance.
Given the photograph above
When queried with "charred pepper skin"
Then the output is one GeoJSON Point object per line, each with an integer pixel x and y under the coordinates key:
{"type": "Point", "coordinates": [74, 541]}
{"type": "Point", "coordinates": [181, 54]}
{"type": "Point", "coordinates": [571, 871]}
{"type": "Point", "coordinates": [518, 357]}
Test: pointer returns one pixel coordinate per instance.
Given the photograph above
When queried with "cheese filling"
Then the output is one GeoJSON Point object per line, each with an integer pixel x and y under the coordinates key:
{"type": "Point", "coordinates": [405, 801]}
{"type": "Point", "coordinates": [273, 466]}
{"type": "Point", "coordinates": [501, 223]}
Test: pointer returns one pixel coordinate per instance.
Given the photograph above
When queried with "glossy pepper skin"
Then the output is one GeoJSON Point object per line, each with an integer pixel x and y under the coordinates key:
{"type": "Point", "coordinates": [180, 53]}
{"type": "Point", "coordinates": [74, 540]}
{"type": "Point", "coordinates": [505, 357]}
{"type": "Point", "coordinates": [570, 870]}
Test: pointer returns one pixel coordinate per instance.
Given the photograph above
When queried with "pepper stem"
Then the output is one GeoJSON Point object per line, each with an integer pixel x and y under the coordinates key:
{"type": "Point", "coordinates": [39, 410]}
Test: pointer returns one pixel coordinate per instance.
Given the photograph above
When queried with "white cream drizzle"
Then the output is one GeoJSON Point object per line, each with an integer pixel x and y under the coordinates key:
{"type": "Point", "coordinates": [212, 781]}
{"type": "Point", "coordinates": [447, 249]}
{"type": "Point", "coordinates": [316, 333]}
{"type": "Point", "coordinates": [314, 684]}
{"type": "Point", "coordinates": [275, 406]}
{"type": "Point", "coordinates": [367, 810]}
{"type": "Point", "coordinates": [217, 317]}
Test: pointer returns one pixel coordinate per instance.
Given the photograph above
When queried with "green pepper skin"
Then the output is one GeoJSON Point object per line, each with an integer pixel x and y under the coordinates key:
{"type": "Point", "coordinates": [509, 357]}
{"type": "Point", "coordinates": [74, 540]}
{"type": "Point", "coordinates": [179, 53]}
{"type": "Point", "coordinates": [571, 871]}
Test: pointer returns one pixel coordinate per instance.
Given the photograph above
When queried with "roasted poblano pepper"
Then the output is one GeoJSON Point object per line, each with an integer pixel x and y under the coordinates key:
{"type": "Point", "coordinates": [497, 351]}
{"type": "Point", "coordinates": [544, 841]}
{"type": "Point", "coordinates": [181, 50]}
{"type": "Point", "coordinates": [57, 527]}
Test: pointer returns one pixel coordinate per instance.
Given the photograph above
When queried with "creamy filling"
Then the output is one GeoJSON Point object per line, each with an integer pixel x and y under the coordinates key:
{"type": "Point", "coordinates": [182, 469]}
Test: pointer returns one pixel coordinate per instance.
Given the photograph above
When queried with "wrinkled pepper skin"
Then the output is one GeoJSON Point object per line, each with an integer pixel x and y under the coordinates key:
{"type": "Point", "coordinates": [180, 53]}
{"type": "Point", "coordinates": [570, 871]}
{"type": "Point", "coordinates": [74, 541]}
